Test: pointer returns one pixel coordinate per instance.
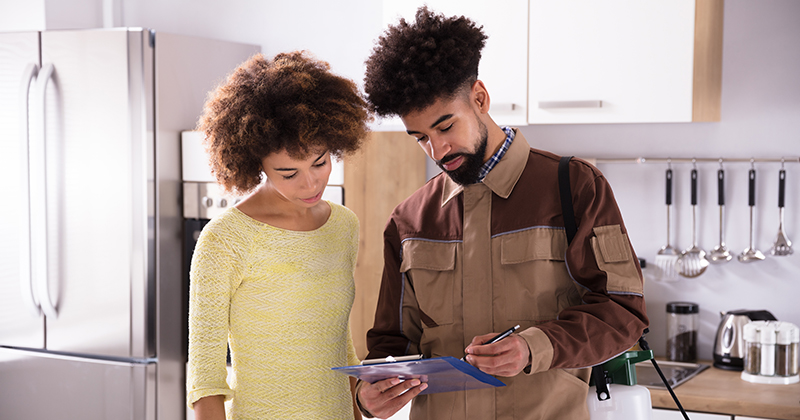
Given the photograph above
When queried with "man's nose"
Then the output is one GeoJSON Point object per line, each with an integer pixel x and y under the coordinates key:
{"type": "Point", "coordinates": [439, 148]}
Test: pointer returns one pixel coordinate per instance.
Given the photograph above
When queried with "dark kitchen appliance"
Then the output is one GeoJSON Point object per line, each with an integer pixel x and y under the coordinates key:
{"type": "Point", "coordinates": [729, 342]}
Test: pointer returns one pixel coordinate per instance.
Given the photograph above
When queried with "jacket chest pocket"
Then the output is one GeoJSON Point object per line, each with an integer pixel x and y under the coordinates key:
{"type": "Point", "coordinates": [430, 267]}
{"type": "Point", "coordinates": [536, 284]}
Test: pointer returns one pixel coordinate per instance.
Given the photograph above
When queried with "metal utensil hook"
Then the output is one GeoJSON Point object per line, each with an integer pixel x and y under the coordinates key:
{"type": "Point", "coordinates": [669, 163]}
{"type": "Point", "coordinates": [752, 163]}
{"type": "Point", "coordinates": [783, 160]}
{"type": "Point", "coordinates": [694, 163]}
{"type": "Point", "coordinates": [720, 163]}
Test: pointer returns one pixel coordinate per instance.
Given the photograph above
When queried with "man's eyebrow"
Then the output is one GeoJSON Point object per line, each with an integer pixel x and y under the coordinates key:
{"type": "Point", "coordinates": [437, 122]}
{"type": "Point", "coordinates": [294, 169]}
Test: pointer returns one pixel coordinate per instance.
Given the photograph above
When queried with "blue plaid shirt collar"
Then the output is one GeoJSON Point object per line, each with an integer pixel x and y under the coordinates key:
{"type": "Point", "coordinates": [490, 164]}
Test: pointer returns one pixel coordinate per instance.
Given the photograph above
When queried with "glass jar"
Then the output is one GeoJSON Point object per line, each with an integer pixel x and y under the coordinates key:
{"type": "Point", "coordinates": [788, 336]}
{"type": "Point", "coordinates": [767, 338]}
{"type": "Point", "coordinates": [752, 347]}
{"type": "Point", "coordinates": [682, 325]}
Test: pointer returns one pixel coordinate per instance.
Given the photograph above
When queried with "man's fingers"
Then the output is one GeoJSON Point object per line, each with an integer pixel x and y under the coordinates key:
{"type": "Point", "coordinates": [381, 386]}
{"type": "Point", "coordinates": [389, 401]}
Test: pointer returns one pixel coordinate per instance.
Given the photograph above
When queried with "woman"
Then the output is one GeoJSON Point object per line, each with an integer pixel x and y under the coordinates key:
{"type": "Point", "coordinates": [272, 277]}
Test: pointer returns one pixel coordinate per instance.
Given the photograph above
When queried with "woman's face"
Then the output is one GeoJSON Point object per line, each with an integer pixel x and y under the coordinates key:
{"type": "Point", "coordinates": [300, 182]}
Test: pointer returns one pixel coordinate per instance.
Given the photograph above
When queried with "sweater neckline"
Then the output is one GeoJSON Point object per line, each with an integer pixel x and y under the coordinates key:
{"type": "Point", "coordinates": [269, 226]}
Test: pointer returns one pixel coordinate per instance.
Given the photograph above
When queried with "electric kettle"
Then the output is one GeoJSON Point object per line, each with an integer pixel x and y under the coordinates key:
{"type": "Point", "coordinates": [729, 342]}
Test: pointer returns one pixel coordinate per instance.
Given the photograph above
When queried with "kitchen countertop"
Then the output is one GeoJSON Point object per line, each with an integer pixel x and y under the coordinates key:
{"type": "Point", "coordinates": [723, 391]}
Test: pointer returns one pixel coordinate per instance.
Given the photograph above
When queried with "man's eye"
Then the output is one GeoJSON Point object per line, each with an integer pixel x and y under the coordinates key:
{"type": "Point", "coordinates": [423, 138]}
{"type": "Point", "coordinates": [447, 128]}
{"type": "Point", "coordinates": [289, 176]}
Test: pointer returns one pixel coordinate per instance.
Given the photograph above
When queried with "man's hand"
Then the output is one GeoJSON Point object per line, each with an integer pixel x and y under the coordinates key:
{"type": "Point", "coordinates": [385, 398]}
{"type": "Point", "coordinates": [507, 357]}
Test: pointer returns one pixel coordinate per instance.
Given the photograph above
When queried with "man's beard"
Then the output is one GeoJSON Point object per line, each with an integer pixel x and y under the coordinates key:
{"type": "Point", "coordinates": [469, 170]}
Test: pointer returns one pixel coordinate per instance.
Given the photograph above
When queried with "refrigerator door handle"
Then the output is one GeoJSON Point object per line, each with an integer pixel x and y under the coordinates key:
{"type": "Point", "coordinates": [26, 283]}
{"type": "Point", "coordinates": [38, 197]}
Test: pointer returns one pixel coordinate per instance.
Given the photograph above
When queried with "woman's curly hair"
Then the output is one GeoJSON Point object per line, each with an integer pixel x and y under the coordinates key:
{"type": "Point", "coordinates": [414, 64]}
{"type": "Point", "coordinates": [292, 103]}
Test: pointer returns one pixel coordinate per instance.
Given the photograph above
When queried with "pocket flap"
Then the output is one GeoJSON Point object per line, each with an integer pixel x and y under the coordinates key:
{"type": "Point", "coordinates": [533, 244]}
{"type": "Point", "coordinates": [612, 244]}
{"type": "Point", "coordinates": [428, 255]}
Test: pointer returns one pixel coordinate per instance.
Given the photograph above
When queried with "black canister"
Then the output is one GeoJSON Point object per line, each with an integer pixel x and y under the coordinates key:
{"type": "Point", "coordinates": [682, 325]}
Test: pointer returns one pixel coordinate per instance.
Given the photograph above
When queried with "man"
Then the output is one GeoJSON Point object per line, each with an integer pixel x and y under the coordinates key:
{"type": "Point", "coordinates": [482, 247]}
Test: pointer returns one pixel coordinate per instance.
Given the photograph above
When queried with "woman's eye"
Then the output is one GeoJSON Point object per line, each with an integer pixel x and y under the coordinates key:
{"type": "Point", "coordinates": [447, 128]}
{"type": "Point", "coordinates": [289, 176]}
{"type": "Point", "coordinates": [423, 138]}
{"type": "Point", "coordinates": [321, 164]}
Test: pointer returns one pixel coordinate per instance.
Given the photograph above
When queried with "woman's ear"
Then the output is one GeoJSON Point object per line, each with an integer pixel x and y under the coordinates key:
{"type": "Point", "coordinates": [480, 96]}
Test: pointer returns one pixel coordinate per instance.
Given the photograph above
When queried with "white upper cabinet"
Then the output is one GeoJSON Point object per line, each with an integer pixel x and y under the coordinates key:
{"type": "Point", "coordinates": [504, 61]}
{"type": "Point", "coordinates": [624, 61]}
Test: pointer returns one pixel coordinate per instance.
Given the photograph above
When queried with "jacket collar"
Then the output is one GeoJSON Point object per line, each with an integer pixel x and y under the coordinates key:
{"type": "Point", "coordinates": [503, 177]}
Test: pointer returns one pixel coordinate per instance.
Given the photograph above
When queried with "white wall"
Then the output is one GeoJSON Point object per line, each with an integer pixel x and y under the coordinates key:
{"type": "Point", "coordinates": [760, 118]}
{"type": "Point", "coordinates": [335, 31]}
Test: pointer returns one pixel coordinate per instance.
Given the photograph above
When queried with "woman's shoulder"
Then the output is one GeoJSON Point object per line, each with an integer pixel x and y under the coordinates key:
{"type": "Point", "coordinates": [343, 214]}
{"type": "Point", "coordinates": [231, 223]}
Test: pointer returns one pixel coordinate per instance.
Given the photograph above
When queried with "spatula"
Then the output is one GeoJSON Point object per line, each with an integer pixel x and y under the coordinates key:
{"type": "Point", "coordinates": [667, 256]}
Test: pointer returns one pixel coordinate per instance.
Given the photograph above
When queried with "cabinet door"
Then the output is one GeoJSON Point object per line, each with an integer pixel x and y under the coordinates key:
{"type": "Point", "coordinates": [612, 61]}
{"type": "Point", "coordinates": [503, 67]}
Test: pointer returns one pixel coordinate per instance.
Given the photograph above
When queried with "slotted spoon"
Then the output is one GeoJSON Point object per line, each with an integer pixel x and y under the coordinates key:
{"type": "Point", "coordinates": [782, 246]}
{"type": "Point", "coordinates": [693, 260]}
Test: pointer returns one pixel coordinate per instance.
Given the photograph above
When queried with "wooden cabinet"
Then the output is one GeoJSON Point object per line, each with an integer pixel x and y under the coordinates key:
{"type": "Point", "coordinates": [504, 60]}
{"type": "Point", "coordinates": [624, 61]}
{"type": "Point", "coordinates": [389, 167]}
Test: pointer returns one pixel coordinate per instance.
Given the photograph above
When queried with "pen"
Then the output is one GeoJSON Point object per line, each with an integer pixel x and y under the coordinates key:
{"type": "Point", "coordinates": [498, 337]}
{"type": "Point", "coordinates": [502, 335]}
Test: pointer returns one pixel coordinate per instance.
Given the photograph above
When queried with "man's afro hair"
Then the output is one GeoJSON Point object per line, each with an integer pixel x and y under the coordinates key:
{"type": "Point", "coordinates": [414, 64]}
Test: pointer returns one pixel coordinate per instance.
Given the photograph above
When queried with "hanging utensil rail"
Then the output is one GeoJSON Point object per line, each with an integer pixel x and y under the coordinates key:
{"type": "Point", "coordinates": [696, 160]}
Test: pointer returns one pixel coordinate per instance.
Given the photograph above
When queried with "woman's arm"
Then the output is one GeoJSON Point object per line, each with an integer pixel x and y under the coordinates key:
{"type": "Point", "coordinates": [210, 408]}
{"type": "Point", "coordinates": [356, 411]}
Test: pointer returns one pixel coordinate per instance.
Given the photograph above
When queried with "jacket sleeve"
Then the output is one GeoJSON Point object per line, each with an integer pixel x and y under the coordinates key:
{"type": "Point", "coordinates": [386, 337]}
{"type": "Point", "coordinates": [606, 271]}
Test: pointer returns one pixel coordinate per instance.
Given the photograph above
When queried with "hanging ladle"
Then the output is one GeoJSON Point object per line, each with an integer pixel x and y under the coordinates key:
{"type": "Point", "coordinates": [751, 253]}
{"type": "Point", "coordinates": [720, 253]}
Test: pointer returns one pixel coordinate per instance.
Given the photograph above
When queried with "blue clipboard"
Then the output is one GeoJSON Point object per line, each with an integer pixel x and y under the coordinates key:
{"type": "Point", "coordinates": [442, 374]}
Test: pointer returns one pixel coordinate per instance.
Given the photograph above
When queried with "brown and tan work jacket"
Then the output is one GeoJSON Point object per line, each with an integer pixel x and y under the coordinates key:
{"type": "Point", "coordinates": [462, 261]}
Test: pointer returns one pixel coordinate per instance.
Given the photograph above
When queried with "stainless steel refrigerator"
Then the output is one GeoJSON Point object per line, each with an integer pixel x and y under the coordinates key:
{"type": "Point", "coordinates": [92, 293]}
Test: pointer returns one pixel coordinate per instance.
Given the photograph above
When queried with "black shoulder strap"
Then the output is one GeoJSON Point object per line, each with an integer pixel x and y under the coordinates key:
{"type": "Point", "coordinates": [566, 198]}
{"type": "Point", "coordinates": [568, 213]}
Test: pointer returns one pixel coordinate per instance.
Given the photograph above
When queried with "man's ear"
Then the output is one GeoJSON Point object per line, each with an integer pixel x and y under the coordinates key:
{"type": "Point", "coordinates": [480, 96]}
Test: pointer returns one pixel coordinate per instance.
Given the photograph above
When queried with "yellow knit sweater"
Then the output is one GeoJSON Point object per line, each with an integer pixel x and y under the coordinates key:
{"type": "Point", "coordinates": [282, 300]}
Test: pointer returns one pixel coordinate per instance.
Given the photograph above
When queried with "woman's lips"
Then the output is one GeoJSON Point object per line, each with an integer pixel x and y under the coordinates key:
{"type": "Point", "coordinates": [453, 164]}
{"type": "Point", "coordinates": [313, 199]}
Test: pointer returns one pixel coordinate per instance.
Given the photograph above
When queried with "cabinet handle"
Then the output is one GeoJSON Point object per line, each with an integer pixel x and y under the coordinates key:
{"type": "Point", "coordinates": [506, 108]}
{"type": "Point", "coordinates": [26, 282]}
{"type": "Point", "coordinates": [570, 104]}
